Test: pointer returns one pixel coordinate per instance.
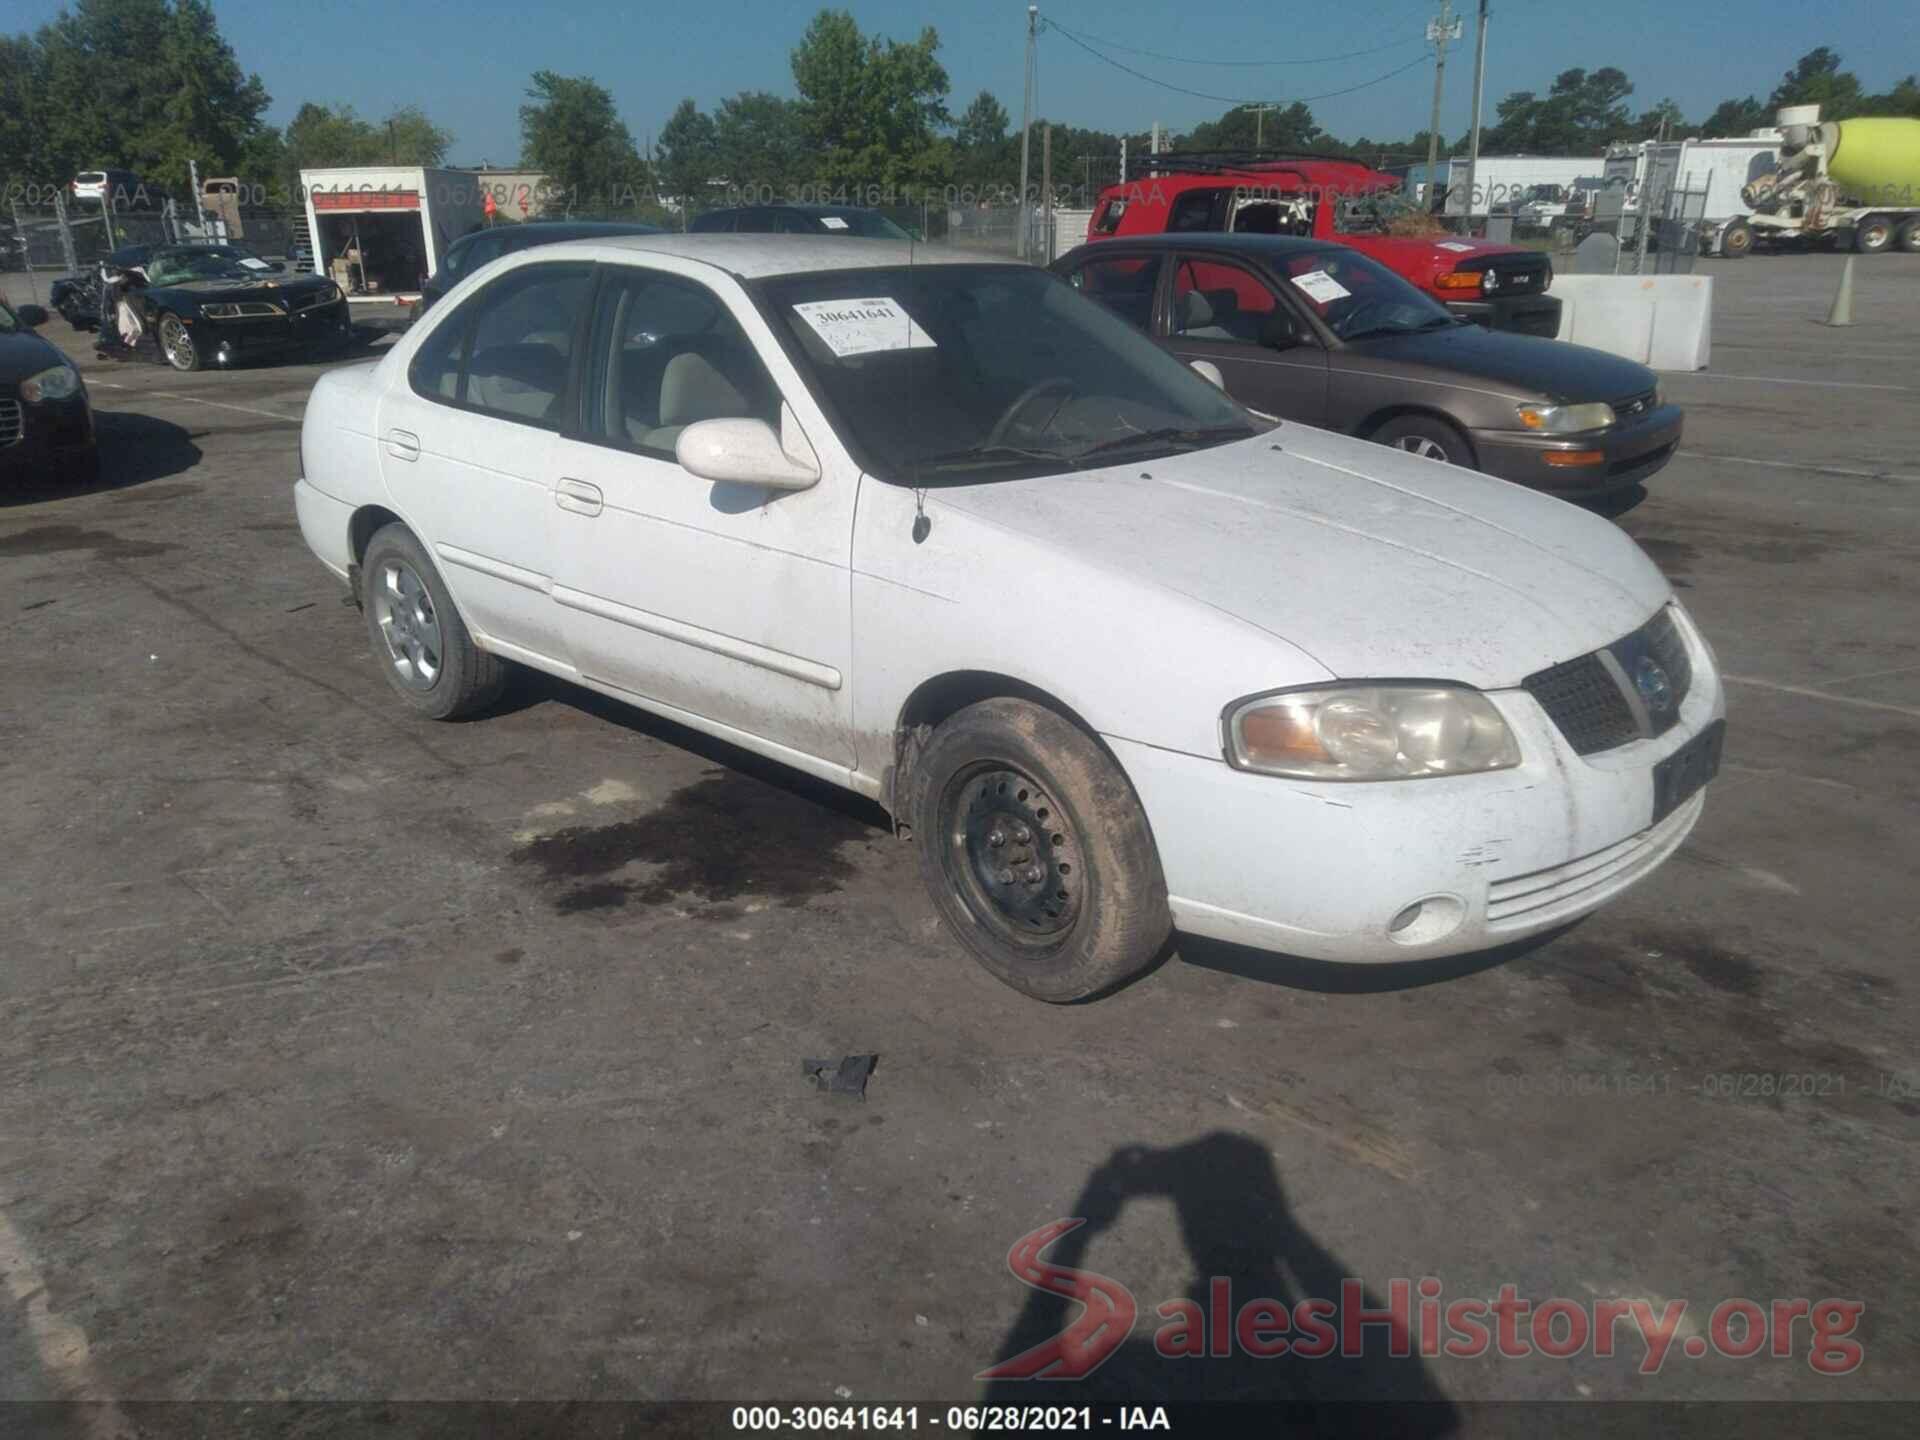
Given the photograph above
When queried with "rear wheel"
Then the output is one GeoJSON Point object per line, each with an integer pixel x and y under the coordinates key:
{"type": "Point", "coordinates": [1873, 234]}
{"type": "Point", "coordinates": [1429, 438]}
{"type": "Point", "coordinates": [1737, 242]}
{"type": "Point", "coordinates": [428, 656]}
{"type": "Point", "coordinates": [1036, 852]}
{"type": "Point", "coordinates": [1909, 237]}
{"type": "Point", "coordinates": [177, 344]}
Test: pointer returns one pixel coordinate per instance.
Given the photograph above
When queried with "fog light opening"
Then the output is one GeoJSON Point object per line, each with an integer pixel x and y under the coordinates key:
{"type": "Point", "coordinates": [1431, 918]}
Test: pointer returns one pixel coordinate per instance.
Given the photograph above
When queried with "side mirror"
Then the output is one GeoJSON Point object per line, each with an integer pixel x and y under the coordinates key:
{"type": "Point", "coordinates": [743, 452]}
{"type": "Point", "coordinates": [1280, 330]}
{"type": "Point", "coordinates": [1209, 372]}
{"type": "Point", "coordinates": [32, 316]}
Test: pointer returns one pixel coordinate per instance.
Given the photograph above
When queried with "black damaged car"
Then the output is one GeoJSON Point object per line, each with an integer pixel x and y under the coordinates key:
{"type": "Point", "coordinates": [212, 307]}
{"type": "Point", "coordinates": [46, 424]}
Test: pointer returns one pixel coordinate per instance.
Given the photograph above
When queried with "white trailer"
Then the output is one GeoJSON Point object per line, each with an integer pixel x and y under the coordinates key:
{"type": "Point", "coordinates": [1503, 183]}
{"type": "Point", "coordinates": [379, 231]}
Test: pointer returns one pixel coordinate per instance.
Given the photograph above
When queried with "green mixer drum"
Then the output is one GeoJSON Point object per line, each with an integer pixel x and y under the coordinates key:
{"type": "Point", "coordinates": [1878, 160]}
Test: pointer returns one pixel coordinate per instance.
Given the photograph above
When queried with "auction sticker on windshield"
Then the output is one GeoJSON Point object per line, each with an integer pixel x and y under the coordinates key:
{"type": "Point", "coordinates": [1455, 246]}
{"type": "Point", "coordinates": [833, 222]}
{"type": "Point", "coordinates": [862, 327]}
{"type": "Point", "coordinates": [253, 264]}
{"type": "Point", "coordinates": [1321, 287]}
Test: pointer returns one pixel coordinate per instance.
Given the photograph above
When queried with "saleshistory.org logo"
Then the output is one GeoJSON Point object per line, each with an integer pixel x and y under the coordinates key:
{"type": "Point", "coordinates": [1413, 1319]}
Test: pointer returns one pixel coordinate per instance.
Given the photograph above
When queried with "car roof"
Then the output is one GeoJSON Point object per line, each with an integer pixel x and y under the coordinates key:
{"type": "Point", "coordinates": [754, 257]}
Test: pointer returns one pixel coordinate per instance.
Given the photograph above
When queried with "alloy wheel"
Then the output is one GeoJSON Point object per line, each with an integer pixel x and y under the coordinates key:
{"type": "Point", "coordinates": [404, 610]}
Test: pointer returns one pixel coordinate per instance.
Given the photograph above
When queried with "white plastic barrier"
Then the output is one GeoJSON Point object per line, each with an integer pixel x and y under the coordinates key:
{"type": "Point", "coordinates": [1665, 321]}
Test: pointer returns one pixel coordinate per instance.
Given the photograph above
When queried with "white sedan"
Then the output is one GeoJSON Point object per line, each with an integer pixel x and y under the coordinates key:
{"type": "Point", "coordinates": [1118, 655]}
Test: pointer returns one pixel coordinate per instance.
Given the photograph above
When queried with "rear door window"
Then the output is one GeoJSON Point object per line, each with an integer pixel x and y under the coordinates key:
{"type": "Point", "coordinates": [1125, 284]}
{"type": "Point", "coordinates": [506, 351]}
{"type": "Point", "coordinates": [1217, 301]}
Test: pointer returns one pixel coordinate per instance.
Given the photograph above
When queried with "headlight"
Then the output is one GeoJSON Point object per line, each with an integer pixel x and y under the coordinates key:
{"type": "Point", "coordinates": [60, 383]}
{"type": "Point", "coordinates": [255, 308]}
{"type": "Point", "coordinates": [333, 293]}
{"type": "Point", "coordinates": [1399, 730]}
{"type": "Point", "coordinates": [1566, 419]}
{"type": "Point", "coordinates": [220, 312]}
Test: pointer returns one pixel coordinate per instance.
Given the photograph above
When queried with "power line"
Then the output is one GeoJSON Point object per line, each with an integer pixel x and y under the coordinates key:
{"type": "Point", "coordinates": [1241, 64]}
{"type": "Point", "coordinates": [1068, 35]}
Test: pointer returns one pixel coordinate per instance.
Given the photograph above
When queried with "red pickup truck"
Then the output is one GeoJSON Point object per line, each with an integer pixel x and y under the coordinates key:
{"type": "Point", "coordinates": [1500, 286]}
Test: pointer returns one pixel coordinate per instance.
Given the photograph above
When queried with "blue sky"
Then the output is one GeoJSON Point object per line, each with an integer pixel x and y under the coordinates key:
{"type": "Point", "coordinates": [466, 62]}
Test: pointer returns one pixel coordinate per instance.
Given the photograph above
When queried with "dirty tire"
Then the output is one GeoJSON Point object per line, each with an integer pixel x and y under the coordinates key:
{"type": "Point", "coordinates": [1428, 438]}
{"type": "Point", "coordinates": [1873, 235]}
{"type": "Point", "coordinates": [1098, 916]}
{"type": "Point", "coordinates": [1737, 242]}
{"type": "Point", "coordinates": [462, 679]}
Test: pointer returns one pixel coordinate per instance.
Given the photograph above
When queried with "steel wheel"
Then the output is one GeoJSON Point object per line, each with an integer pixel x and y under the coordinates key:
{"type": "Point", "coordinates": [1011, 855]}
{"type": "Point", "coordinates": [1420, 445]}
{"type": "Point", "coordinates": [176, 343]}
{"type": "Point", "coordinates": [404, 611]}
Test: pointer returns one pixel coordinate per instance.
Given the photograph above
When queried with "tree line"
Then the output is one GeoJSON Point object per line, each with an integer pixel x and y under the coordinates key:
{"type": "Point", "coordinates": [147, 85]}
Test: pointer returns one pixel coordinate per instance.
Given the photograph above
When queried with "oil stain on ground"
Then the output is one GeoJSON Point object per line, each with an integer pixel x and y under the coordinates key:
{"type": "Point", "coordinates": [57, 539]}
{"type": "Point", "coordinates": [726, 837]}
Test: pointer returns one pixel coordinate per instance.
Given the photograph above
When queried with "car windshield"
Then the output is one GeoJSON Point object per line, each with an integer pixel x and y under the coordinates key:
{"type": "Point", "coordinates": [1383, 212]}
{"type": "Point", "coordinates": [223, 262]}
{"type": "Point", "coordinates": [945, 373]}
{"type": "Point", "coordinates": [868, 224]}
{"type": "Point", "coordinates": [1357, 298]}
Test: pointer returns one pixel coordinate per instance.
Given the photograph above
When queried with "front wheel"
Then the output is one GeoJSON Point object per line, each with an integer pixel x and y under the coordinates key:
{"type": "Point", "coordinates": [1737, 242]}
{"type": "Point", "coordinates": [1428, 438]}
{"type": "Point", "coordinates": [177, 344]}
{"type": "Point", "coordinates": [1037, 853]}
{"type": "Point", "coordinates": [428, 656]}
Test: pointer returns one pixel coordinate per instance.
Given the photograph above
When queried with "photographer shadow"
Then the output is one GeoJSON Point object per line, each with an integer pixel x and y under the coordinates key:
{"type": "Point", "coordinates": [1245, 1246]}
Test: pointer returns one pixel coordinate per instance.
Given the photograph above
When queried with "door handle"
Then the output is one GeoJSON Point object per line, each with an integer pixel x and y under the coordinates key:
{"type": "Point", "coordinates": [403, 445]}
{"type": "Point", "coordinates": [579, 497]}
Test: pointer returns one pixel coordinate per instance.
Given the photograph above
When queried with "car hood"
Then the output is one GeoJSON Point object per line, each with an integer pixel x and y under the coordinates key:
{"type": "Point", "coordinates": [24, 353]}
{"type": "Point", "coordinates": [265, 287]}
{"type": "Point", "coordinates": [1528, 364]}
{"type": "Point", "coordinates": [1377, 564]}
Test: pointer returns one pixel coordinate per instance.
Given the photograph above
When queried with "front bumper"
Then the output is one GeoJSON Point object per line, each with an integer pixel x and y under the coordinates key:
{"type": "Point", "coordinates": [47, 436]}
{"type": "Point", "coordinates": [1537, 314]}
{"type": "Point", "coordinates": [315, 325]}
{"type": "Point", "coordinates": [1322, 870]}
{"type": "Point", "coordinates": [1630, 454]}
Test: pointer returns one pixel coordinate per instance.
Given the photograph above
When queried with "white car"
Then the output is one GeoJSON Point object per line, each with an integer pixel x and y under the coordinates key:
{"type": "Point", "coordinates": [1117, 654]}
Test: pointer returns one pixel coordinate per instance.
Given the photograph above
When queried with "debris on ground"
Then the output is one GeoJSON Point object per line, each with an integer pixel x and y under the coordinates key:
{"type": "Point", "coordinates": [846, 1076]}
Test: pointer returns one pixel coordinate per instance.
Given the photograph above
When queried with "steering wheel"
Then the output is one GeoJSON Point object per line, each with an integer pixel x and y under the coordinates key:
{"type": "Point", "coordinates": [998, 435]}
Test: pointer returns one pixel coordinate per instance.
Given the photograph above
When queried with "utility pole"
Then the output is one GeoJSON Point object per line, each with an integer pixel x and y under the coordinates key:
{"type": "Point", "coordinates": [1026, 129]}
{"type": "Point", "coordinates": [1259, 122]}
{"type": "Point", "coordinates": [1479, 81]}
{"type": "Point", "coordinates": [1441, 32]}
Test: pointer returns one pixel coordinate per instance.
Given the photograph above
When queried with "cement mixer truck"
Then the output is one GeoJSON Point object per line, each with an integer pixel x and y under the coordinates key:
{"type": "Point", "coordinates": [1851, 181]}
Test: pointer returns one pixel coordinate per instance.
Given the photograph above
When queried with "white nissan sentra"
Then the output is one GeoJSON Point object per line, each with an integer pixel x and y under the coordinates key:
{"type": "Point", "coordinates": [1117, 654]}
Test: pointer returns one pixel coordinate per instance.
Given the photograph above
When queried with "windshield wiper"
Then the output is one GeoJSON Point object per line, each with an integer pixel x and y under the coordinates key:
{"type": "Point", "coordinates": [1190, 436]}
{"type": "Point", "coordinates": [988, 454]}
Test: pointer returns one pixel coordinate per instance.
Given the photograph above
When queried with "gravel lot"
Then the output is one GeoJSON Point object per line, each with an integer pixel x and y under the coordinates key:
{"type": "Point", "coordinates": [343, 1055]}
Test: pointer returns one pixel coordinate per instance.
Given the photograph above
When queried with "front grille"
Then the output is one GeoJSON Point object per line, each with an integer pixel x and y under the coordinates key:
{"type": "Point", "coordinates": [1583, 700]}
{"type": "Point", "coordinates": [1518, 275]}
{"type": "Point", "coordinates": [1666, 646]}
{"type": "Point", "coordinates": [1589, 698]}
{"type": "Point", "coordinates": [9, 422]}
{"type": "Point", "coordinates": [1634, 406]}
